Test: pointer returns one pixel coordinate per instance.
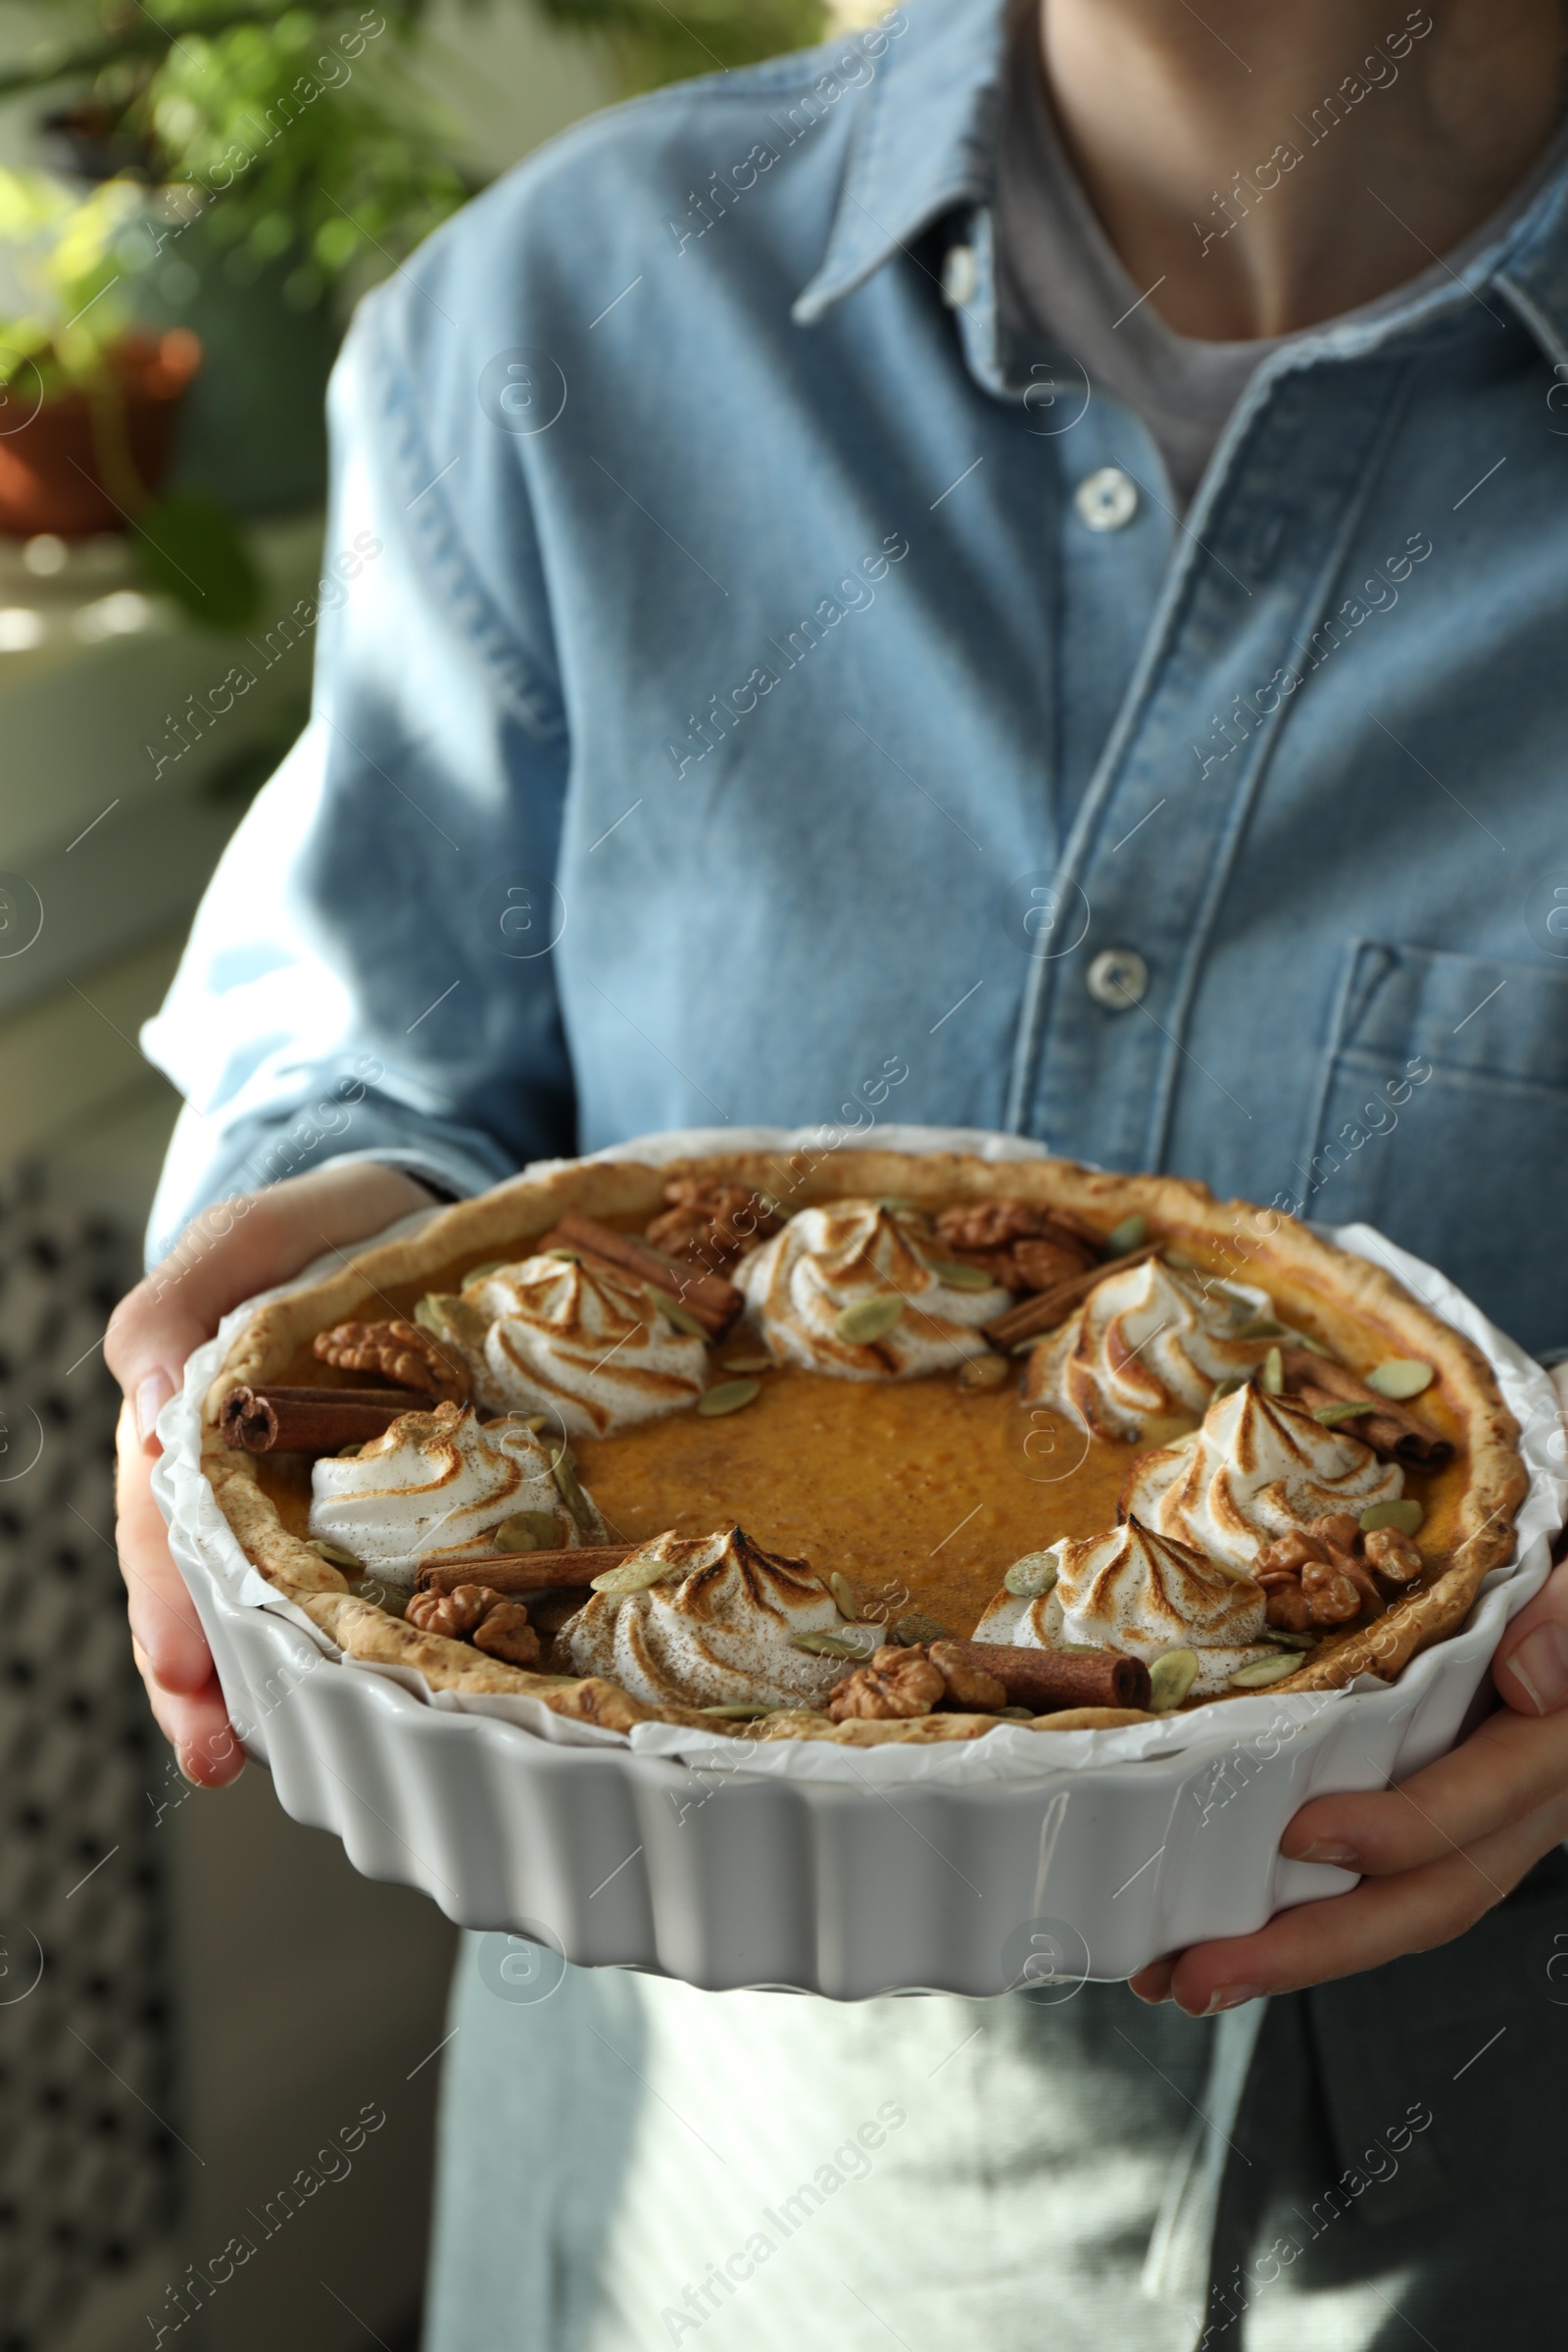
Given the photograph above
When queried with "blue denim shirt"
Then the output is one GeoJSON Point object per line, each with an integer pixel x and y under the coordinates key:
{"type": "Point", "coordinates": [726, 698]}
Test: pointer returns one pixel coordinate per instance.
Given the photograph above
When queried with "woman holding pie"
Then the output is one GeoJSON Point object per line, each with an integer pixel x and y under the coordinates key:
{"type": "Point", "coordinates": [1005, 573]}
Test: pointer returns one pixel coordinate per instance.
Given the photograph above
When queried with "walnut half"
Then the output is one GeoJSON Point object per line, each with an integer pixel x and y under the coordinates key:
{"type": "Point", "coordinates": [473, 1614]}
{"type": "Point", "coordinates": [401, 1352]}
{"type": "Point", "coordinates": [1321, 1573]}
{"type": "Point", "coordinates": [897, 1682]}
{"type": "Point", "coordinates": [911, 1681]}
{"type": "Point", "coordinates": [1020, 1246]}
{"type": "Point", "coordinates": [710, 1224]}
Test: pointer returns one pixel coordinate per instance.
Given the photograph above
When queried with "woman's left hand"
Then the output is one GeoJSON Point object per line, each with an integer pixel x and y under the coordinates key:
{"type": "Point", "coordinates": [1435, 1852]}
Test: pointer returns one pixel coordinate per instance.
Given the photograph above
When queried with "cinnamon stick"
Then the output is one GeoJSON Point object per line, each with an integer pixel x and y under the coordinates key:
{"type": "Point", "coordinates": [715, 1302]}
{"type": "Point", "coordinates": [1048, 1680]}
{"type": "Point", "coordinates": [522, 1571]}
{"type": "Point", "coordinates": [289, 1420]}
{"type": "Point", "coordinates": [1048, 1308]}
{"type": "Point", "coordinates": [1390, 1431]}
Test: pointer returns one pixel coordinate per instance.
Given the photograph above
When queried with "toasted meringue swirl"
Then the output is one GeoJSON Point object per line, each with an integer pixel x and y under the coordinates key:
{"type": "Point", "coordinates": [1143, 1593]}
{"type": "Point", "coordinates": [1147, 1343]}
{"type": "Point", "coordinates": [576, 1343]}
{"type": "Point", "coordinates": [432, 1483]}
{"type": "Point", "coordinates": [716, 1632]}
{"type": "Point", "coordinates": [1258, 1467]}
{"type": "Point", "coordinates": [834, 1257]}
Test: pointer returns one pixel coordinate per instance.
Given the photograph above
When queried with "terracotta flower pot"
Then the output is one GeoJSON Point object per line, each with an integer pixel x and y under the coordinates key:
{"type": "Point", "coordinates": [52, 463]}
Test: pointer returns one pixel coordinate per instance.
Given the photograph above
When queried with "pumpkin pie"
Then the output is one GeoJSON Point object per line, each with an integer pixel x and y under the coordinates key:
{"type": "Point", "coordinates": [865, 1446]}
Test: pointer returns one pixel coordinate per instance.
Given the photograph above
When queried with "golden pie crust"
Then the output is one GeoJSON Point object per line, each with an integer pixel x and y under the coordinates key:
{"type": "Point", "coordinates": [1362, 1313]}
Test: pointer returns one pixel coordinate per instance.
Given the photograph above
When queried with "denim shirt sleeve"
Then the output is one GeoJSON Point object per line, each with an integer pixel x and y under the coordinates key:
{"type": "Point", "coordinates": [350, 903]}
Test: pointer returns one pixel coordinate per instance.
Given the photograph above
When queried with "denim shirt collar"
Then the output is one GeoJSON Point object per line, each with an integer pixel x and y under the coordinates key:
{"type": "Point", "coordinates": [925, 146]}
{"type": "Point", "coordinates": [924, 143]}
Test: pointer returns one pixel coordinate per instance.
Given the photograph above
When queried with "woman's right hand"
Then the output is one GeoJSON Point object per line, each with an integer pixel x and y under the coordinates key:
{"type": "Point", "coordinates": [246, 1244]}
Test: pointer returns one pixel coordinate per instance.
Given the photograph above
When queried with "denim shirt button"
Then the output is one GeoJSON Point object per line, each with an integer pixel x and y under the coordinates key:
{"type": "Point", "coordinates": [1118, 978]}
{"type": "Point", "coordinates": [1106, 500]}
{"type": "Point", "coordinates": [961, 276]}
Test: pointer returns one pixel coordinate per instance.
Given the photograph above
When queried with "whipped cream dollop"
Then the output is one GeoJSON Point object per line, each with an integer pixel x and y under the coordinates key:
{"type": "Point", "coordinates": [1147, 1343]}
{"type": "Point", "coordinates": [718, 1631]}
{"type": "Point", "coordinates": [1257, 1467]}
{"type": "Point", "coordinates": [1143, 1593]}
{"type": "Point", "coordinates": [806, 1285]}
{"type": "Point", "coordinates": [434, 1482]}
{"type": "Point", "coordinates": [580, 1345]}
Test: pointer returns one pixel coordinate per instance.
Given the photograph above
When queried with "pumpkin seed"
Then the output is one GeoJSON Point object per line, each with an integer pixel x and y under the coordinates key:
{"type": "Point", "coordinates": [334, 1553]}
{"type": "Point", "coordinates": [897, 1204]}
{"type": "Point", "coordinates": [348, 1453]}
{"type": "Point", "coordinates": [1261, 1327]}
{"type": "Point", "coordinates": [1331, 1415]}
{"type": "Point", "coordinates": [569, 1258]}
{"type": "Point", "coordinates": [1170, 1678]}
{"type": "Point", "coordinates": [446, 1316]}
{"type": "Point", "coordinates": [1273, 1380]}
{"type": "Point", "coordinates": [727, 1397]}
{"type": "Point", "coordinates": [634, 1575]}
{"type": "Point", "coordinates": [1130, 1234]}
{"type": "Point", "coordinates": [837, 1645]}
{"type": "Point", "coordinates": [746, 1711]}
{"type": "Point", "coordinates": [1015, 1714]}
{"type": "Point", "coordinates": [1032, 1577]}
{"type": "Point", "coordinates": [844, 1594]}
{"type": "Point", "coordinates": [1406, 1515]}
{"type": "Point", "coordinates": [1286, 1640]}
{"type": "Point", "coordinates": [1400, 1377]}
{"type": "Point", "coordinates": [528, 1531]}
{"type": "Point", "coordinates": [1228, 1386]}
{"type": "Point", "coordinates": [983, 1372]}
{"type": "Point", "coordinates": [564, 1471]}
{"type": "Point", "coordinates": [916, 1628]}
{"type": "Point", "coordinates": [482, 1273]}
{"type": "Point", "coordinates": [1263, 1671]}
{"type": "Point", "coordinates": [867, 1319]}
{"type": "Point", "coordinates": [746, 1363]}
{"type": "Point", "coordinates": [533, 1423]}
{"type": "Point", "coordinates": [960, 1277]}
{"type": "Point", "coordinates": [673, 1312]}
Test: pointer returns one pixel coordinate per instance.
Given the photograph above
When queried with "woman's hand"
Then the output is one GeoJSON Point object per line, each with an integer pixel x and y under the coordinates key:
{"type": "Point", "coordinates": [1434, 1853]}
{"type": "Point", "coordinates": [230, 1252]}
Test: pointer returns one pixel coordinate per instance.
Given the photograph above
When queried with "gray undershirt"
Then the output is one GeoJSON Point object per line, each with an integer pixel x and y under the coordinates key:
{"type": "Point", "coordinates": [1058, 277]}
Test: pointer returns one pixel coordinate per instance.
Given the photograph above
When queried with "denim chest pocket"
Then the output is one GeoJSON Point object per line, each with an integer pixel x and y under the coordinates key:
{"type": "Point", "coordinates": [1442, 1119]}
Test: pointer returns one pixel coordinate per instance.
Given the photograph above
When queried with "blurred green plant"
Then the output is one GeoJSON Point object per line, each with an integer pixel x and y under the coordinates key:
{"type": "Point", "coordinates": [65, 315]}
{"type": "Point", "coordinates": [309, 124]}
{"type": "Point", "coordinates": [300, 141]}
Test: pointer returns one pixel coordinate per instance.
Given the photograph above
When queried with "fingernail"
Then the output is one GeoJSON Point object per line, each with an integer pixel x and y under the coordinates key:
{"type": "Point", "coordinates": [152, 1395]}
{"type": "Point", "coordinates": [1231, 1996]}
{"type": "Point", "coordinates": [1324, 1849]}
{"type": "Point", "coordinates": [1540, 1665]}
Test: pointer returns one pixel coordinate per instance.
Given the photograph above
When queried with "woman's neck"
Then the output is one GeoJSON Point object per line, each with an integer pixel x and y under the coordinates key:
{"type": "Point", "coordinates": [1260, 168]}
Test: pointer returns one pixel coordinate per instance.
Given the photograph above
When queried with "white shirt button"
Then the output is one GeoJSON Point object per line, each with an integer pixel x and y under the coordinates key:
{"type": "Point", "coordinates": [1106, 500]}
{"type": "Point", "coordinates": [961, 275]}
{"type": "Point", "coordinates": [1118, 978]}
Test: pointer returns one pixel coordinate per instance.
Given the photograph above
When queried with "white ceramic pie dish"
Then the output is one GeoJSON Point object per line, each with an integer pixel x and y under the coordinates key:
{"type": "Point", "coordinates": [967, 1867]}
